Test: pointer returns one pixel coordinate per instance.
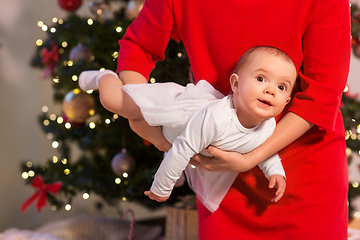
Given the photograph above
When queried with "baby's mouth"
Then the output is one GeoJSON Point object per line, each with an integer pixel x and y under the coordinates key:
{"type": "Point", "coordinates": [265, 102]}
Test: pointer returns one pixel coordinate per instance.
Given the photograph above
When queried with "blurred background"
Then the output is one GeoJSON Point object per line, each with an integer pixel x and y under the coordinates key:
{"type": "Point", "coordinates": [23, 93]}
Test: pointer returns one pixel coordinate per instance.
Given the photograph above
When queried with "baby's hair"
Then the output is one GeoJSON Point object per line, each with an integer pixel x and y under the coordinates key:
{"type": "Point", "coordinates": [273, 50]}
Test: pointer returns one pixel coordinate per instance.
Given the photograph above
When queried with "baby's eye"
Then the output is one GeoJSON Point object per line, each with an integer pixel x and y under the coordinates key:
{"type": "Point", "coordinates": [260, 79]}
{"type": "Point", "coordinates": [282, 87]}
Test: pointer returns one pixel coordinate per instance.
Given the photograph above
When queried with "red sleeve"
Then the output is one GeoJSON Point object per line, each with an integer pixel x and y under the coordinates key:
{"type": "Point", "coordinates": [326, 48]}
{"type": "Point", "coordinates": [146, 39]}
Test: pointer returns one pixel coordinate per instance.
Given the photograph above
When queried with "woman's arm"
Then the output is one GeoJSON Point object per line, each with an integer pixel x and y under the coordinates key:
{"type": "Point", "coordinates": [322, 78]}
{"type": "Point", "coordinates": [288, 129]}
{"type": "Point", "coordinates": [131, 77]}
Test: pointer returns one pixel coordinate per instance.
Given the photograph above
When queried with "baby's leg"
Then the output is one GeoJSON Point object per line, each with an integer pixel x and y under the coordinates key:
{"type": "Point", "coordinates": [112, 97]}
{"type": "Point", "coordinates": [151, 133]}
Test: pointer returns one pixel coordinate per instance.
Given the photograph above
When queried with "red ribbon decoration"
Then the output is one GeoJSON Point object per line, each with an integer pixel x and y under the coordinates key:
{"type": "Point", "coordinates": [41, 193]}
{"type": "Point", "coordinates": [49, 57]}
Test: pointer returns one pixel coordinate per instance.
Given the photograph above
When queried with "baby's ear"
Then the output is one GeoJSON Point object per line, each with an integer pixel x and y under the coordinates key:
{"type": "Point", "coordinates": [234, 81]}
{"type": "Point", "coordinates": [288, 100]}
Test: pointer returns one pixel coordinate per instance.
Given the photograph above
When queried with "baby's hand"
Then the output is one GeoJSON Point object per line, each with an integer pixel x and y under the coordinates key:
{"type": "Point", "coordinates": [153, 196]}
{"type": "Point", "coordinates": [279, 182]}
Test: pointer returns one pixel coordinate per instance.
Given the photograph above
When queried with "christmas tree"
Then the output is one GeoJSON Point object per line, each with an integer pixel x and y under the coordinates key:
{"type": "Point", "coordinates": [115, 163]}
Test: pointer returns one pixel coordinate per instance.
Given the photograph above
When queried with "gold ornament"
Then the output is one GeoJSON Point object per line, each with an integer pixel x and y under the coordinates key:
{"type": "Point", "coordinates": [78, 105]}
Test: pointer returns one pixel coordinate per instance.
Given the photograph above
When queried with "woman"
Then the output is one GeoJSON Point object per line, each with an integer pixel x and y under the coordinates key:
{"type": "Point", "coordinates": [309, 133]}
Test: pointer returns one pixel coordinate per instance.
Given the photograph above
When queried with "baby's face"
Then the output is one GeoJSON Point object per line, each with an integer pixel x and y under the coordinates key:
{"type": "Point", "coordinates": [263, 87]}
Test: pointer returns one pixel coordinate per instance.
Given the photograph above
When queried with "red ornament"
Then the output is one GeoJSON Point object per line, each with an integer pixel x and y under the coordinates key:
{"type": "Point", "coordinates": [41, 193]}
{"type": "Point", "coordinates": [70, 5]}
{"type": "Point", "coordinates": [147, 143]}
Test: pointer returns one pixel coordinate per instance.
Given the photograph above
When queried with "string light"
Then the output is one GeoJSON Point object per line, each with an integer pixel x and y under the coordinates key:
{"type": "Point", "coordinates": [90, 91]}
{"type": "Point", "coordinates": [74, 78]}
{"type": "Point", "coordinates": [52, 117]}
{"type": "Point", "coordinates": [68, 207]}
{"type": "Point", "coordinates": [115, 116]}
{"type": "Point", "coordinates": [347, 134]}
{"type": "Point", "coordinates": [64, 161]}
{"type": "Point", "coordinates": [346, 89]}
{"type": "Point", "coordinates": [29, 164]}
{"type": "Point", "coordinates": [60, 21]}
{"type": "Point", "coordinates": [86, 196]}
{"type": "Point", "coordinates": [355, 184]}
{"type": "Point", "coordinates": [125, 174]}
{"type": "Point", "coordinates": [152, 80]}
{"type": "Point", "coordinates": [353, 136]}
{"type": "Point", "coordinates": [44, 28]}
{"type": "Point", "coordinates": [40, 23]}
{"type": "Point", "coordinates": [90, 21]}
{"type": "Point", "coordinates": [39, 42]}
{"type": "Point", "coordinates": [46, 122]}
{"type": "Point", "coordinates": [31, 173]}
{"type": "Point", "coordinates": [70, 63]}
{"type": "Point", "coordinates": [55, 159]}
{"type": "Point", "coordinates": [52, 30]}
{"type": "Point", "coordinates": [124, 199]}
{"type": "Point", "coordinates": [119, 29]}
{"type": "Point", "coordinates": [92, 125]}
{"type": "Point", "coordinates": [64, 44]}
{"type": "Point", "coordinates": [45, 109]}
{"type": "Point", "coordinates": [67, 171]}
{"type": "Point", "coordinates": [53, 208]}
{"type": "Point", "coordinates": [117, 180]}
{"type": "Point", "coordinates": [56, 80]}
{"type": "Point", "coordinates": [348, 151]}
{"type": "Point", "coordinates": [25, 175]}
{"type": "Point", "coordinates": [49, 136]}
{"type": "Point", "coordinates": [107, 121]}
{"type": "Point", "coordinates": [115, 55]}
{"type": "Point", "coordinates": [55, 144]}
{"type": "Point", "coordinates": [54, 20]}
{"type": "Point", "coordinates": [67, 125]}
{"type": "Point", "coordinates": [60, 120]}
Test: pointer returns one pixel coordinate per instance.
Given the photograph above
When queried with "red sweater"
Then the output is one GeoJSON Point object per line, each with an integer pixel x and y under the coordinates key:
{"type": "Point", "coordinates": [316, 35]}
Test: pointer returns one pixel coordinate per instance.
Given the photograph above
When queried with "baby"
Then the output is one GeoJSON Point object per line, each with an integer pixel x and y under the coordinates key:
{"type": "Point", "coordinates": [197, 116]}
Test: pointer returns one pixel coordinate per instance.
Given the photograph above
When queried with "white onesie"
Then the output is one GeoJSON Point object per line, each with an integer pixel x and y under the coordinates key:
{"type": "Point", "coordinates": [193, 118]}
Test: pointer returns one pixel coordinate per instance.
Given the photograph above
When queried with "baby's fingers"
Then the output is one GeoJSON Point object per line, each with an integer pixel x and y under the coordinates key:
{"type": "Point", "coordinates": [272, 183]}
{"type": "Point", "coordinates": [280, 185]}
{"type": "Point", "coordinates": [278, 196]}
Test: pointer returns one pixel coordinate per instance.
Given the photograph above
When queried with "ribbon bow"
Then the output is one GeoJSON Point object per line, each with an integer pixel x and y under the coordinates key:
{"type": "Point", "coordinates": [41, 193]}
{"type": "Point", "coordinates": [49, 57]}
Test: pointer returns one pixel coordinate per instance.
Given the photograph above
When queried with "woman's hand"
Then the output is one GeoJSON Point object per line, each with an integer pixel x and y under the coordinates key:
{"type": "Point", "coordinates": [222, 161]}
